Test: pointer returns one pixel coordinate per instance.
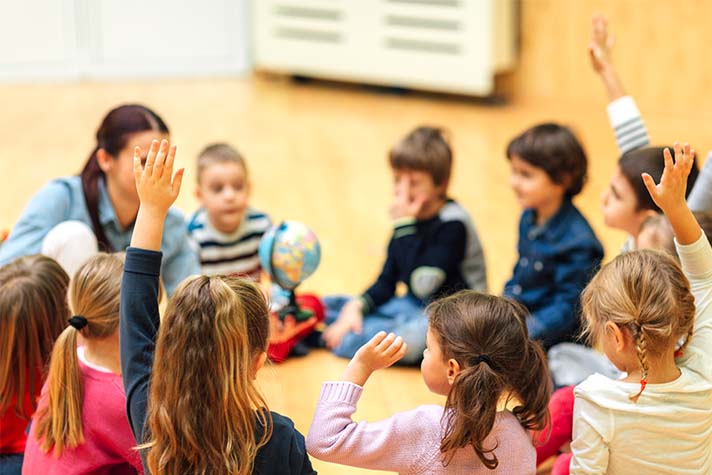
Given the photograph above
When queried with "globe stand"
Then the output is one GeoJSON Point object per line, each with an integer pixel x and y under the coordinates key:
{"type": "Point", "coordinates": [293, 309]}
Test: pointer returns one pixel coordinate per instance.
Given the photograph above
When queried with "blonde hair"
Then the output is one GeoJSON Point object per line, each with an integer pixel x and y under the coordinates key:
{"type": "Point", "coordinates": [646, 293]}
{"type": "Point", "coordinates": [203, 403]}
{"type": "Point", "coordinates": [93, 294]}
{"type": "Point", "coordinates": [33, 312]}
{"type": "Point", "coordinates": [219, 153]}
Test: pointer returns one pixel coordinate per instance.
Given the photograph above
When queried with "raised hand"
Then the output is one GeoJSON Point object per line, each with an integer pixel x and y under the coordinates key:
{"type": "Point", "coordinates": [157, 189]}
{"type": "Point", "coordinates": [599, 52]}
{"type": "Point", "coordinates": [601, 45]}
{"type": "Point", "coordinates": [380, 352]}
{"type": "Point", "coordinates": [669, 194]}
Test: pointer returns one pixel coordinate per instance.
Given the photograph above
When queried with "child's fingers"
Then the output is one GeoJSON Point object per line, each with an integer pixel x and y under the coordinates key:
{"type": "Point", "coordinates": [385, 343]}
{"type": "Point", "coordinates": [137, 168]}
{"type": "Point", "coordinates": [377, 338]}
{"type": "Point", "coordinates": [402, 351]}
{"type": "Point", "coordinates": [151, 158]}
{"type": "Point", "coordinates": [158, 165]}
{"type": "Point", "coordinates": [395, 347]}
{"type": "Point", "coordinates": [177, 181]}
{"type": "Point", "coordinates": [170, 159]}
{"type": "Point", "coordinates": [667, 157]}
{"type": "Point", "coordinates": [650, 185]}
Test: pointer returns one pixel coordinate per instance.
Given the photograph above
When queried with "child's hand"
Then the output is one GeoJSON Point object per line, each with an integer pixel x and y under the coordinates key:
{"type": "Point", "coordinates": [350, 320]}
{"type": "Point", "coordinates": [380, 352]}
{"type": "Point", "coordinates": [157, 187]}
{"type": "Point", "coordinates": [601, 45]}
{"type": "Point", "coordinates": [405, 205]}
{"type": "Point", "coordinates": [669, 195]}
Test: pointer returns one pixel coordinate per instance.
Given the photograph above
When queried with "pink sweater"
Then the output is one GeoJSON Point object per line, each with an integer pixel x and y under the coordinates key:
{"type": "Point", "coordinates": [109, 443]}
{"type": "Point", "coordinates": [408, 442]}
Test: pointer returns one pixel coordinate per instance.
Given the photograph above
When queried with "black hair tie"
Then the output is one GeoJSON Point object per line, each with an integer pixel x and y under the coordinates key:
{"type": "Point", "coordinates": [484, 359]}
{"type": "Point", "coordinates": [78, 322]}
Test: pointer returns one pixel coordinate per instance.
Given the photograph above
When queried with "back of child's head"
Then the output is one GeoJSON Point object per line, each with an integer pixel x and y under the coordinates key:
{"type": "Point", "coordinates": [203, 403]}
{"type": "Point", "coordinates": [33, 312]}
{"type": "Point", "coordinates": [219, 153]}
{"type": "Point", "coordinates": [645, 293]}
{"type": "Point", "coordinates": [487, 336]}
{"type": "Point", "coordinates": [648, 160]}
{"type": "Point", "coordinates": [556, 150]}
{"type": "Point", "coordinates": [656, 232]}
{"type": "Point", "coordinates": [425, 149]}
{"type": "Point", "coordinates": [94, 301]}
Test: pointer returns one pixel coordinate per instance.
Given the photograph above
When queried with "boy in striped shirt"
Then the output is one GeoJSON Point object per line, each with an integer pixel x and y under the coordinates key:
{"type": "Point", "coordinates": [226, 234]}
{"type": "Point", "coordinates": [226, 231]}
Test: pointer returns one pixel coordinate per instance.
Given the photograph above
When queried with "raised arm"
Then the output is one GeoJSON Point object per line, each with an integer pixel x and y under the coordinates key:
{"type": "Point", "coordinates": [394, 444]}
{"type": "Point", "coordinates": [139, 320]}
{"type": "Point", "coordinates": [695, 255]}
{"type": "Point", "coordinates": [623, 113]}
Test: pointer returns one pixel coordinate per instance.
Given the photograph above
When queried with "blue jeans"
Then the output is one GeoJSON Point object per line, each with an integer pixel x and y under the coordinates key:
{"type": "Point", "coordinates": [404, 316]}
{"type": "Point", "coordinates": [11, 464]}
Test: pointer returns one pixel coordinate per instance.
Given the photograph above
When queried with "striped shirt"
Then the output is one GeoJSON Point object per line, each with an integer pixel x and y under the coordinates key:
{"type": "Point", "coordinates": [229, 253]}
{"type": "Point", "coordinates": [631, 134]}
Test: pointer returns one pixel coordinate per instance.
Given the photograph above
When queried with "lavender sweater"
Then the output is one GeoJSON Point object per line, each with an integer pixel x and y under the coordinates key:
{"type": "Point", "coordinates": [408, 442]}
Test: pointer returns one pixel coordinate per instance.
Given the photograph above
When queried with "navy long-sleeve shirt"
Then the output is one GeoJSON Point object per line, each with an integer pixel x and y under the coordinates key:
{"type": "Point", "coordinates": [285, 452]}
{"type": "Point", "coordinates": [434, 258]}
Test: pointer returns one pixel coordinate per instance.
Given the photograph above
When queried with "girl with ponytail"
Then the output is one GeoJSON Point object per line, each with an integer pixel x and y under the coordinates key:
{"type": "Point", "coordinates": [652, 316]}
{"type": "Point", "coordinates": [73, 218]}
{"type": "Point", "coordinates": [479, 356]}
{"type": "Point", "coordinates": [202, 412]}
{"type": "Point", "coordinates": [80, 425]}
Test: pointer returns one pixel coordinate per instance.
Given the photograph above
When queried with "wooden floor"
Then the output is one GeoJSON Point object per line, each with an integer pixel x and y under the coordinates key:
{"type": "Point", "coordinates": [317, 153]}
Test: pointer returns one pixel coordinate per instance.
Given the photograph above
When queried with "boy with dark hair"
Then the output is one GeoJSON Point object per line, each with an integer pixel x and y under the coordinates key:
{"type": "Point", "coordinates": [558, 250]}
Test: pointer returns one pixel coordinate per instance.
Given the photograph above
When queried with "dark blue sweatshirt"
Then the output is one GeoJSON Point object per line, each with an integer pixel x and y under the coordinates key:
{"type": "Point", "coordinates": [283, 454]}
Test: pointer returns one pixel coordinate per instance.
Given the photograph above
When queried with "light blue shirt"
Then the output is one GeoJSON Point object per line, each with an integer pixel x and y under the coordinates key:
{"type": "Point", "coordinates": [62, 200]}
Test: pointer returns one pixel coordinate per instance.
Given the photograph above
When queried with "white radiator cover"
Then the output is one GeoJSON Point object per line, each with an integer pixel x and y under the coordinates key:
{"type": "Point", "coordinates": [440, 45]}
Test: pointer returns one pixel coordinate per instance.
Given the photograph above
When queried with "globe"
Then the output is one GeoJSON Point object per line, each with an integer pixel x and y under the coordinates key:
{"type": "Point", "coordinates": [290, 252]}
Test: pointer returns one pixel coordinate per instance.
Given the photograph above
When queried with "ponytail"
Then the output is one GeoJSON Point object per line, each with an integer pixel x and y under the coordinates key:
{"type": "Point", "coordinates": [533, 385]}
{"type": "Point", "coordinates": [59, 422]}
{"type": "Point", "coordinates": [94, 297]}
{"type": "Point", "coordinates": [487, 336]}
{"type": "Point", "coordinates": [90, 176]}
{"type": "Point", "coordinates": [468, 419]}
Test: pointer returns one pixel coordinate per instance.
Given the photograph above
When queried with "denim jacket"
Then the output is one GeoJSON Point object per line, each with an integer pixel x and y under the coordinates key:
{"type": "Point", "coordinates": [556, 261]}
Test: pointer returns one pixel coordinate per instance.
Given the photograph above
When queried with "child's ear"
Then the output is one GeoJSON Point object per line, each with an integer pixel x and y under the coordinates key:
{"type": "Point", "coordinates": [619, 337]}
{"type": "Point", "coordinates": [453, 369]}
{"type": "Point", "coordinates": [198, 193]}
{"type": "Point", "coordinates": [258, 363]}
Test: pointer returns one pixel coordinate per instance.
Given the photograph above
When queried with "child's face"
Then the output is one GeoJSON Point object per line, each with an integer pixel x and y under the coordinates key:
{"type": "Point", "coordinates": [533, 186]}
{"type": "Point", "coordinates": [223, 190]}
{"type": "Point", "coordinates": [419, 184]}
{"type": "Point", "coordinates": [434, 367]}
{"type": "Point", "coordinates": [620, 205]}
